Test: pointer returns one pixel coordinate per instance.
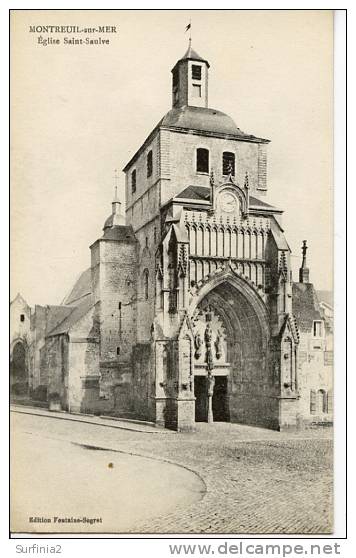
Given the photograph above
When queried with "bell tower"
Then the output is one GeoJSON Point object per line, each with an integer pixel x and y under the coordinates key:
{"type": "Point", "coordinates": [190, 81]}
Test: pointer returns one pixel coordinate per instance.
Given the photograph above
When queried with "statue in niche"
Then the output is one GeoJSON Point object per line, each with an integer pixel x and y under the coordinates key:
{"type": "Point", "coordinates": [218, 348]}
{"type": "Point", "coordinates": [208, 338]}
{"type": "Point", "coordinates": [210, 380]}
{"type": "Point", "coordinates": [197, 345]}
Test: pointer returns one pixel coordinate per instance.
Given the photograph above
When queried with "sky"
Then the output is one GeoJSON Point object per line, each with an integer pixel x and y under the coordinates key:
{"type": "Point", "coordinates": [81, 111]}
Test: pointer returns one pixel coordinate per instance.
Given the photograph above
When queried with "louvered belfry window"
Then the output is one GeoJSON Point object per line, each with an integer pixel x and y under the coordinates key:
{"type": "Point", "coordinates": [228, 163]}
{"type": "Point", "coordinates": [202, 160]}
{"type": "Point", "coordinates": [196, 72]}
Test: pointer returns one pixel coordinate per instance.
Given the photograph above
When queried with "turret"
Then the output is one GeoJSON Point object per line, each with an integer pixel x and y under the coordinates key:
{"type": "Point", "coordinates": [190, 80]}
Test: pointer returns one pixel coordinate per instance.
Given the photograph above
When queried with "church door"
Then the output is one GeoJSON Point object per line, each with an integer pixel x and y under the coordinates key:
{"type": "Point", "coordinates": [18, 370]}
{"type": "Point", "coordinates": [220, 402]}
{"type": "Point", "coordinates": [201, 401]}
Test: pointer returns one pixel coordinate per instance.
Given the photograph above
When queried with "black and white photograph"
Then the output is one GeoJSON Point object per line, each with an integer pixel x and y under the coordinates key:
{"type": "Point", "coordinates": [172, 294]}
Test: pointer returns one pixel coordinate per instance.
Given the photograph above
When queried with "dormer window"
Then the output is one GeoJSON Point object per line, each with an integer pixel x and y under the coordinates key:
{"type": "Point", "coordinates": [196, 72]}
{"type": "Point", "coordinates": [202, 160]}
{"type": "Point", "coordinates": [317, 328]}
{"type": "Point", "coordinates": [228, 163]}
{"type": "Point", "coordinates": [149, 164]}
{"type": "Point", "coordinates": [133, 181]}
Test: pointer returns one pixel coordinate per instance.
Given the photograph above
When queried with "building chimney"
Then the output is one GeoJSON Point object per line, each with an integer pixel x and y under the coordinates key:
{"type": "Point", "coordinates": [304, 270]}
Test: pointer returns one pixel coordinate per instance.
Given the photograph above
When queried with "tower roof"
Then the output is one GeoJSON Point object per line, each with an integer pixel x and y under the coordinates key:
{"type": "Point", "coordinates": [192, 55]}
{"type": "Point", "coordinates": [201, 119]}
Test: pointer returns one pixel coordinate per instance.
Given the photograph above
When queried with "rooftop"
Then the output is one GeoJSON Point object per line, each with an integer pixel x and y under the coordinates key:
{"type": "Point", "coordinates": [202, 193]}
{"type": "Point", "coordinates": [305, 305]}
{"type": "Point", "coordinates": [190, 54]}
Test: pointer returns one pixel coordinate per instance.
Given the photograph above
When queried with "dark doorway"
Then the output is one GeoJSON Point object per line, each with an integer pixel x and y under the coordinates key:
{"type": "Point", "coordinates": [201, 404]}
{"type": "Point", "coordinates": [220, 402]}
{"type": "Point", "coordinates": [18, 370]}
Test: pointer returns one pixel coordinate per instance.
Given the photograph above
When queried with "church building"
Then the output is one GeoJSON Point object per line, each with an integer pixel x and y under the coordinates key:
{"type": "Point", "coordinates": [187, 312]}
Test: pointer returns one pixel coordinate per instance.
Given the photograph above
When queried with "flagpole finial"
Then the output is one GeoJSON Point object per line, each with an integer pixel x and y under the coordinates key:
{"type": "Point", "coordinates": [116, 177]}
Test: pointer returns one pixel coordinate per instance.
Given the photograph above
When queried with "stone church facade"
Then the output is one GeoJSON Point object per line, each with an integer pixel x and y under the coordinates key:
{"type": "Point", "coordinates": [187, 311]}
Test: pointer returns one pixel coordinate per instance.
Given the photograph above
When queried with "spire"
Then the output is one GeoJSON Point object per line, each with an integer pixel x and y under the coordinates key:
{"type": "Point", "coordinates": [116, 204]}
{"type": "Point", "coordinates": [304, 270]}
{"type": "Point", "coordinates": [116, 218]}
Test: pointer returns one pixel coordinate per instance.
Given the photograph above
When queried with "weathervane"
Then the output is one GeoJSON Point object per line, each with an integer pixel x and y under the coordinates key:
{"type": "Point", "coordinates": [189, 28]}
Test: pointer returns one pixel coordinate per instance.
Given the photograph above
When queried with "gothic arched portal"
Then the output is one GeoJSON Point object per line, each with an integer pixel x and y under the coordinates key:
{"type": "Point", "coordinates": [231, 341]}
{"type": "Point", "coordinates": [18, 370]}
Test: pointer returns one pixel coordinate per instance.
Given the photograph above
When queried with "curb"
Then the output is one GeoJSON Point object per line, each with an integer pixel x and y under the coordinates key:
{"type": "Point", "coordinates": [89, 419]}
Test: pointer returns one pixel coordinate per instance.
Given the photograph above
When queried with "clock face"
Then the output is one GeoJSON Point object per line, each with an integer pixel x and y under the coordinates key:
{"type": "Point", "coordinates": [228, 202]}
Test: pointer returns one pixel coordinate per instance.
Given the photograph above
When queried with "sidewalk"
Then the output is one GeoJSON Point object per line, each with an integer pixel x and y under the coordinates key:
{"type": "Point", "coordinates": [111, 422]}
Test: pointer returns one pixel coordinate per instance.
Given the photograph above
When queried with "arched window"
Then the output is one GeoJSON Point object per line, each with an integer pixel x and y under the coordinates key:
{"type": "Point", "coordinates": [228, 163]}
{"type": "Point", "coordinates": [149, 164]}
{"type": "Point", "coordinates": [133, 181]}
{"type": "Point", "coordinates": [322, 401]}
{"type": "Point", "coordinates": [202, 160]}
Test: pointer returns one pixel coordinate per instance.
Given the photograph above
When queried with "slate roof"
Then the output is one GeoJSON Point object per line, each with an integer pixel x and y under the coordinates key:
{"type": "Point", "coordinates": [191, 54]}
{"type": "Point", "coordinates": [82, 287]}
{"type": "Point", "coordinates": [189, 119]}
{"type": "Point", "coordinates": [74, 315]}
{"type": "Point", "coordinates": [204, 120]}
{"type": "Point", "coordinates": [122, 233]}
{"type": "Point", "coordinates": [195, 193]}
{"type": "Point", "coordinates": [203, 193]}
{"type": "Point", "coordinates": [305, 305]}
{"type": "Point", "coordinates": [56, 315]}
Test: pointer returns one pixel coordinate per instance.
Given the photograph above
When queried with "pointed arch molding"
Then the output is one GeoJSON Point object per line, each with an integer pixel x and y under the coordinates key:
{"type": "Point", "coordinates": [14, 342]}
{"type": "Point", "coordinates": [243, 286]}
{"type": "Point", "coordinates": [231, 186]}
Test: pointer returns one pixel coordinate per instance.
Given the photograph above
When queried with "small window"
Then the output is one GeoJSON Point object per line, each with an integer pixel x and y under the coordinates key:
{"type": "Point", "coordinates": [133, 181]}
{"type": "Point", "coordinates": [196, 90]}
{"type": "Point", "coordinates": [149, 164]}
{"type": "Point", "coordinates": [228, 163]}
{"type": "Point", "coordinates": [202, 160]}
{"type": "Point", "coordinates": [145, 283]}
{"type": "Point", "coordinates": [117, 351]}
{"type": "Point", "coordinates": [22, 317]}
{"type": "Point", "coordinates": [119, 305]}
{"type": "Point", "coordinates": [196, 72]}
{"type": "Point", "coordinates": [317, 329]}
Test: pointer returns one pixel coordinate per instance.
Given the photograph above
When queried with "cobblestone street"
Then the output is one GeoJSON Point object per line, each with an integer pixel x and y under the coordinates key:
{"type": "Point", "coordinates": [257, 481]}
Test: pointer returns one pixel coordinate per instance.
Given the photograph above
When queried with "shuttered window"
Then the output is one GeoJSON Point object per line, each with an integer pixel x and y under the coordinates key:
{"type": "Point", "coordinates": [196, 72]}
{"type": "Point", "coordinates": [228, 163]}
{"type": "Point", "coordinates": [133, 181]}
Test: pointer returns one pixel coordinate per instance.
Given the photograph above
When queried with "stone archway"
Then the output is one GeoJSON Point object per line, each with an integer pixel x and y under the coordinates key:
{"type": "Point", "coordinates": [19, 383]}
{"type": "Point", "coordinates": [233, 316]}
